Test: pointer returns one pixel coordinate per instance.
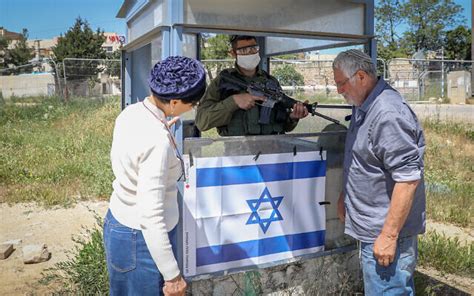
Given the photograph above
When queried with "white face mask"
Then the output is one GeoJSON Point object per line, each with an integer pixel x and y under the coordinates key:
{"type": "Point", "coordinates": [248, 62]}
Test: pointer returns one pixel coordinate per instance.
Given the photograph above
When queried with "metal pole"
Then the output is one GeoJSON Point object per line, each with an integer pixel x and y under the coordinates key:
{"type": "Point", "coordinates": [442, 72]}
{"type": "Point", "coordinates": [385, 75]}
{"type": "Point", "coordinates": [57, 77]}
{"type": "Point", "coordinates": [424, 60]}
{"type": "Point", "coordinates": [65, 82]}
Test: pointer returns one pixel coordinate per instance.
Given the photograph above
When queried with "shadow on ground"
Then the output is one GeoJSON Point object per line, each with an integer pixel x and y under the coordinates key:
{"type": "Point", "coordinates": [427, 285]}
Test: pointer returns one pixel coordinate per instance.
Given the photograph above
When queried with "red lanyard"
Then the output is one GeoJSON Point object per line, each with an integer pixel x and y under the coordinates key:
{"type": "Point", "coordinates": [173, 141]}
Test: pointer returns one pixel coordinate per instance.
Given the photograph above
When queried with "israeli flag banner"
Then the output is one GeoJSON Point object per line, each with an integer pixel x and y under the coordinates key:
{"type": "Point", "coordinates": [240, 212]}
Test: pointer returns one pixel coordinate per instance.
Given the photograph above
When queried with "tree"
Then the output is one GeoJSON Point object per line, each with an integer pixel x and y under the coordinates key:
{"type": "Point", "coordinates": [287, 75]}
{"type": "Point", "coordinates": [3, 51]}
{"type": "Point", "coordinates": [19, 55]}
{"type": "Point", "coordinates": [427, 22]}
{"type": "Point", "coordinates": [80, 42]}
{"type": "Point", "coordinates": [215, 47]}
{"type": "Point", "coordinates": [388, 14]}
{"type": "Point", "coordinates": [457, 44]}
{"type": "Point", "coordinates": [113, 67]}
{"type": "Point", "coordinates": [388, 17]}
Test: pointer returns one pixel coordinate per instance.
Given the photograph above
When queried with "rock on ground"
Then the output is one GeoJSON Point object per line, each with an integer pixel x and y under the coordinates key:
{"type": "Point", "coordinates": [31, 224]}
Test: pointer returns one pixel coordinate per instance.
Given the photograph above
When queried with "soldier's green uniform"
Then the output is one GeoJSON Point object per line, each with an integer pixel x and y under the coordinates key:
{"type": "Point", "coordinates": [218, 109]}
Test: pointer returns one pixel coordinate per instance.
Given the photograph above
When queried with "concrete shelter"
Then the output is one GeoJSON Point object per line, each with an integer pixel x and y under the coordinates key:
{"type": "Point", "coordinates": [157, 29]}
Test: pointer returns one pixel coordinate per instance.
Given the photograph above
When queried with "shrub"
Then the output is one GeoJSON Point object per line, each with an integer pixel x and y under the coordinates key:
{"type": "Point", "coordinates": [287, 75]}
{"type": "Point", "coordinates": [446, 254]}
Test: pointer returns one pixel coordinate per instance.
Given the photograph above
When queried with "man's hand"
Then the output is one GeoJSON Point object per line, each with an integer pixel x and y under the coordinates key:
{"type": "Point", "coordinates": [386, 243]}
{"type": "Point", "coordinates": [341, 208]}
{"type": "Point", "coordinates": [175, 287]}
{"type": "Point", "coordinates": [384, 249]}
{"type": "Point", "coordinates": [299, 111]}
{"type": "Point", "coordinates": [247, 101]}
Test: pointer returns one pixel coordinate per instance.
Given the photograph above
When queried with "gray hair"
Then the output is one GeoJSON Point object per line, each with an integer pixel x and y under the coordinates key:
{"type": "Point", "coordinates": [353, 60]}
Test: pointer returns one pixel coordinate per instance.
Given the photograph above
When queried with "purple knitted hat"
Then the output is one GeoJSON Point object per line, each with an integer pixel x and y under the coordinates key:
{"type": "Point", "coordinates": [178, 77]}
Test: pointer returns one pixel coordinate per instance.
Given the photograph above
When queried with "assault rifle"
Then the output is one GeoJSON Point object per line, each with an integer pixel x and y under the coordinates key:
{"type": "Point", "coordinates": [273, 95]}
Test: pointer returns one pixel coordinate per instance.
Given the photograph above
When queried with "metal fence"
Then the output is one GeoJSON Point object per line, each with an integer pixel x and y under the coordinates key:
{"type": "Point", "coordinates": [91, 77]}
{"type": "Point", "coordinates": [418, 80]}
{"type": "Point", "coordinates": [72, 77]}
{"type": "Point", "coordinates": [431, 80]}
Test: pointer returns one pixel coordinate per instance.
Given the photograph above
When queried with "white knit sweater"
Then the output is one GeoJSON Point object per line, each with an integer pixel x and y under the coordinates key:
{"type": "Point", "coordinates": [146, 169]}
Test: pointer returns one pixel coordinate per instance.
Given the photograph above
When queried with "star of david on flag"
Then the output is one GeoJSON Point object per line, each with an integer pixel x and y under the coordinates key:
{"type": "Point", "coordinates": [255, 204]}
{"type": "Point", "coordinates": [240, 212]}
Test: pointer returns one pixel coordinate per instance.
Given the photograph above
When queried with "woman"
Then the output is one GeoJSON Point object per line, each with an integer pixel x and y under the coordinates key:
{"type": "Point", "coordinates": [140, 226]}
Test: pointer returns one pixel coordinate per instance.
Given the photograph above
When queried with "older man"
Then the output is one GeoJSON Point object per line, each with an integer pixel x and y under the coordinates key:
{"type": "Point", "coordinates": [383, 198]}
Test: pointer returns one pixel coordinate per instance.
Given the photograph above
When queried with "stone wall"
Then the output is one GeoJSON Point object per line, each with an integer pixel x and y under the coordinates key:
{"type": "Point", "coordinates": [27, 85]}
{"type": "Point", "coordinates": [329, 275]}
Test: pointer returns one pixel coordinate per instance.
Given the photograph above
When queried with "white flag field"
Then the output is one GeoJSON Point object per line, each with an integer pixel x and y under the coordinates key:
{"type": "Point", "coordinates": [240, 212]}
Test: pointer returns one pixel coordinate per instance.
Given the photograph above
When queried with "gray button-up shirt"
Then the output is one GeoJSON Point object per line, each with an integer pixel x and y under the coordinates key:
{"type": "Point", "coordinates": [384, 145]}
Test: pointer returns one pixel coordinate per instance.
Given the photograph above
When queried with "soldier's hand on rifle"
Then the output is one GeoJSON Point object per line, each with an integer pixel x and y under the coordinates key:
{"type": "Point", "coordinates": [299, 111]}
{"type": "Point", "coordinates": [247, 101]}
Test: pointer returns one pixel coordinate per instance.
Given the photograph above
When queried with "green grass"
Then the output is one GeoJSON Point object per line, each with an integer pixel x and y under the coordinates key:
{"type": "Point", "coordinates": [321, 98]}
{"type": "Point", "coordinates": [449, 172]}
{"type": "Point", "coordinates": [445, 254]}
{"type": "Point", "coordinates": [449, 128]}
{"type": "Point", "coordinates": [56, 153]}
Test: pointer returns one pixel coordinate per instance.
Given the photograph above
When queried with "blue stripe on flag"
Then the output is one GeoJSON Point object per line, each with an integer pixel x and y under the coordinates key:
{"type": "Point", "coordinates": [260, 247]}
{"type": "Point", "coordinates": [248, 174]}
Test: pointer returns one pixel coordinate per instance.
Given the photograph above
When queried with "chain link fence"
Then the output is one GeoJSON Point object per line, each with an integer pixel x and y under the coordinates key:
{"type": "Point", "coordinates": [439, 81]}
{"type": "Point", "coordinates": [302, 79]}
{"type": "Point", "coordinates": [91, 77]}
{"type": "Point", "coordinates": [73, 77]}
{"type": "Point", "coordinates": [431, 80]}
{"type": "Point", "coordinates": [316, 82]}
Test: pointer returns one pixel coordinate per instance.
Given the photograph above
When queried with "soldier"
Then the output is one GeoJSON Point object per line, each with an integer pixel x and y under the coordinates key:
{"type": "Point", "coordinates": [237, 113]}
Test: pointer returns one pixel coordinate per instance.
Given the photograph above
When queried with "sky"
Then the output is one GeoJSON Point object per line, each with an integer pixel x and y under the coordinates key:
{"type": "Point", "coordinates": [46, 19]}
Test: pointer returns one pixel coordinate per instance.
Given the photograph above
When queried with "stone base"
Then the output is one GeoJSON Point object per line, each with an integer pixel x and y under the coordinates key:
{"type": "Point", "coordinates": [330, 275]}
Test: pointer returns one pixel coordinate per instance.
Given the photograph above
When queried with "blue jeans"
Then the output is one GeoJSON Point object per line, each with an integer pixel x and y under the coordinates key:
{"type": "Point", "coordinates": [395, 279]}
{"type": "Point", "coordinates": [132, 270]}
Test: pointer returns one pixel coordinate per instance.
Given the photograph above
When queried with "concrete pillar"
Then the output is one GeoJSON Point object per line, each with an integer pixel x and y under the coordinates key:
{"type": "Point", "coordinates": [37, 50]}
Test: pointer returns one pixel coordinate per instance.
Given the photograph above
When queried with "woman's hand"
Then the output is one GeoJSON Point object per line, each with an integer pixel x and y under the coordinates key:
{"type": "Point", "coordinates": [175, 287]}
{"type": "Point", "coordinates": [341, 208]}
{"type": "Point", "coordinates": [173, 121]}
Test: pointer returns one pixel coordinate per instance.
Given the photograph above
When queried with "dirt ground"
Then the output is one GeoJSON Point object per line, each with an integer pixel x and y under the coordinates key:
{"type": "Point", "coordinates": [55, 227]}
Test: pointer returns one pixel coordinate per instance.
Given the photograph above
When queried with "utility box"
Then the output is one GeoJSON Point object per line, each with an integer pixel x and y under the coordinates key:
{"type": "Point", "coordinates": [459, 86]}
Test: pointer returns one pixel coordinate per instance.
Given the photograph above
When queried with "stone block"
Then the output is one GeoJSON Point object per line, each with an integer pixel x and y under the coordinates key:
{"type": "Point", "coordinates": [14, 242]}
{"type": "Point", "coordinates": [5, 250]}
{"type": "Point", "coordinates": [35, 254]}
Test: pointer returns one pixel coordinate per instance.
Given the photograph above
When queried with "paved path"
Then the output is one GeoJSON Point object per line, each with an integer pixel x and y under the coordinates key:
{"type": "Point", "coordinates": [457, 113]}
{"type": "Point", "coordinates": [445, 113]}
